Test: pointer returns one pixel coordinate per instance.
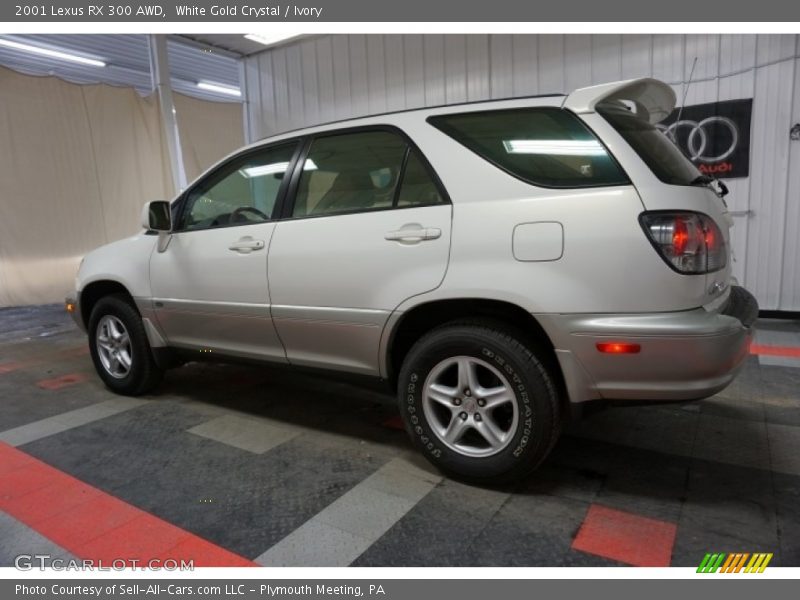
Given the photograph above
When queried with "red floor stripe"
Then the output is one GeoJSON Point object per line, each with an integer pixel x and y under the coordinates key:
{"type": "Point", "coordinates": [56, 383]}
{"type": "Point", "coordinates": [9, 367]}
{"type": "Point", "coordinates": [789, 351]}
{"type": "Point", "coordinates": [626, 537]}
{"type": "Point", "coordinates": [74, 352]}
{"type": "Point", "coordinates": [92, 524]}
{"type": "Point", "coordinates": [77, 351]}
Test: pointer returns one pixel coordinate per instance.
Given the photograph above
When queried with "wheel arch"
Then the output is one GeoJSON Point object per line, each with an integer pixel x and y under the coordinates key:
{"type": "Point", "coordinates": [420, 319]}
{"type": "Point", "coordinates": [98, 289]}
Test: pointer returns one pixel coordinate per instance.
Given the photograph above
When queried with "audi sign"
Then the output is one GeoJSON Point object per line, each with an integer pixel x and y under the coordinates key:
{"type": "Point", "coordinates": [715, 136]}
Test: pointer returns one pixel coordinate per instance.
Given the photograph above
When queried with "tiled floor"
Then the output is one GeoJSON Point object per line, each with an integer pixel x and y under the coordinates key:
{"type": "Point", "coordinates": [236, 464]}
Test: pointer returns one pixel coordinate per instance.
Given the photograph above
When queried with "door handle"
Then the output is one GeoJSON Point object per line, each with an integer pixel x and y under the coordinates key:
{"type": "Point", "coordinates": [417, 234]}
{"type": "Point", "coordinates": [742, 213]}
{"type": "Point", "coordinates": [246, 245]}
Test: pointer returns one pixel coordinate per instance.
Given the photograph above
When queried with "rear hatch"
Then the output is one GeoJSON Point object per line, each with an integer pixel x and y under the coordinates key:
{"type": "Point", "coordinates": [672, 183]}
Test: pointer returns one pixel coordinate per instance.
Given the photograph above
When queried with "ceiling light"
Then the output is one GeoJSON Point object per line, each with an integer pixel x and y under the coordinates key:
{"type": "Point", "coordinates": [51, 53]}
{"type": "Point", "coordinates": [556, 147]}
{"type": "Point", "coordinates": [274, 168]}
{"type": "Point", "coordinates": [220, 88]}
{"type": "Point", "coordinates": [262, 170]}
{"type": "Point", "coordinates": [270, 39]}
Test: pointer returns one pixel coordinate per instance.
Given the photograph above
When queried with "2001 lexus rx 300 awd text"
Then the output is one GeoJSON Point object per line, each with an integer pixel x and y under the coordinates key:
{"type": "Point", "coordinates": [496, 262]}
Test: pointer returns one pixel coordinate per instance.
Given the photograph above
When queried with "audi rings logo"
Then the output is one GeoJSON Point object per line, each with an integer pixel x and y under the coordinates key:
{"type": "Point", "coordinates": [699, 135]}
{"type": "Point", "coordinates": [714, 136]}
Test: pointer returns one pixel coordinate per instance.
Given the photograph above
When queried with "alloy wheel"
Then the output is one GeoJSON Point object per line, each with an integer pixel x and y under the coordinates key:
{"type": "Point", "coordinates": [114, 346]}
{"type": "Point", "coordinates": [470, 406]}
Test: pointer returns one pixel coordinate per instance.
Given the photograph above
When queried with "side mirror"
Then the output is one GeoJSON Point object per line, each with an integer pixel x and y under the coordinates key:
{"type": "Point", "coordinates": [156, 216]}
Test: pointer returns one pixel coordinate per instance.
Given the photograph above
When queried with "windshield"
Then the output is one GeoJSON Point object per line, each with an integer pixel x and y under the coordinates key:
{"type": "Point", "coordinates": [663, 157]}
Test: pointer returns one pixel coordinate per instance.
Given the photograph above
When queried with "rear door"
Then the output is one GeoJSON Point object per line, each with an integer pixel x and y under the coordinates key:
{"type": "Point", "coordinates": [367, 226]}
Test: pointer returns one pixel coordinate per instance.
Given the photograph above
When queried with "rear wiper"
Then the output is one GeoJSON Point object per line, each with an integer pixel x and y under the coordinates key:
{"type": "Point", "coordinates": [701, 180]}
{"type": "Point", "coordinates": [722, 189]}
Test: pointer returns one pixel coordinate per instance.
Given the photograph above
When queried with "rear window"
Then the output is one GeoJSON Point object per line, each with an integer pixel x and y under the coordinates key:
{"type": "Point", "coordinates": [548, 147]}
{"type": "Point", "coordinates": [664, 158]}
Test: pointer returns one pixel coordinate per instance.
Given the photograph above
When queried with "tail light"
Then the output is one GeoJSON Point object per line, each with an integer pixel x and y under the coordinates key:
{"type": "Point", "coordinates": [689, 242]}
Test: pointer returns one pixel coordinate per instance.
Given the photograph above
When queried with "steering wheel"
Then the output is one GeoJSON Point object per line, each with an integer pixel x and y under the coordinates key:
{"type": "Point", "coordinates": [247, 209]}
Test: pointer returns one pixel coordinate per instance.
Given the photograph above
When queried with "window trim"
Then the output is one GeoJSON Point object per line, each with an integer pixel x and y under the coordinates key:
{"type": "Point", "coordinates": [183, 199]}
{"type": "Point", "coordinates": [401, 177]}
{"type": "Point", "coordinates": [289, 199]}
{"type": "Point", "coordinates": [431, 120]}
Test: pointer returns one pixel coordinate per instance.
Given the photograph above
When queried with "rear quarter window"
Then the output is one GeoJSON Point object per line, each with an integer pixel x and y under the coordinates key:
{"type": "Point", "coordinates": [547, 147]}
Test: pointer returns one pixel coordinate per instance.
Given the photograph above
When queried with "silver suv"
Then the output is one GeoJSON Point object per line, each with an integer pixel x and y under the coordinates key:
{"type": "Point", "coordinates": [498, 263]}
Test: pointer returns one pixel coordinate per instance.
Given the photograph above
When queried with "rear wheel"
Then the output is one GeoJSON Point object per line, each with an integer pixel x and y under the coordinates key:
{"type": "Point", "coordinates": [119, 347]}
{"type": "Point", "coordinates": [478, 403]}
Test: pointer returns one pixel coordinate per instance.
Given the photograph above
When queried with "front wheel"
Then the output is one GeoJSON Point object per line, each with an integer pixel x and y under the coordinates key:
{"type": "Point", "coordinates": [478, 403]}
{"type": "Point", "coordinates": [119, 347]}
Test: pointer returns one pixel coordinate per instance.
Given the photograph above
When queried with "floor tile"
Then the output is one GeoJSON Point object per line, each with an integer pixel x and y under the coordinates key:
{"type": "Point", "coordinates": [626, 537]}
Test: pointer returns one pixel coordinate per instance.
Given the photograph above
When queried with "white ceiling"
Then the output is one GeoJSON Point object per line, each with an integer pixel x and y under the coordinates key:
{"type": "Point", "coordinates": [236, 43]}
{"type": "Point", "coordinates": [128, 62]}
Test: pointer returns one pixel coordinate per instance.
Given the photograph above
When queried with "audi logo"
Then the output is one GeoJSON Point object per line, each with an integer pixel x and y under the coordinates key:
{"type": "Point", "coordinates": [700, 134]}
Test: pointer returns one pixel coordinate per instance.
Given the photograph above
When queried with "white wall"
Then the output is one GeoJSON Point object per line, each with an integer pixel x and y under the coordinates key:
{"type": "Point", "coordinates": [335, 77]}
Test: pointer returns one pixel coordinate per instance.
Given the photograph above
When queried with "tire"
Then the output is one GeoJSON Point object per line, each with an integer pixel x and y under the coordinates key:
{"type": "Point", "coordinates": [113, 315]}
{"type": "Point", "coordinates": [429, 413]}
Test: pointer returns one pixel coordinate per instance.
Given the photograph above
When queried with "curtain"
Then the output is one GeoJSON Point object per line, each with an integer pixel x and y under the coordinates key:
{"type": "Point", "coordinates": [208, 131]}
{"type": "Point", "coordinates": [76, 165]}
{"type": "Point", "coordinates": [77, 162]}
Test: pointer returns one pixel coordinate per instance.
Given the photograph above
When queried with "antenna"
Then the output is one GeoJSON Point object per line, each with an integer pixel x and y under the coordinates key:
{"type": "Point", "coordinates": [683, 101]}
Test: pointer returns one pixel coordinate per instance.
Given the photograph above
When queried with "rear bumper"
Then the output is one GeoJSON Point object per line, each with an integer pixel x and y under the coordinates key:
{"type": "Point", "coordinates": [684, 355]}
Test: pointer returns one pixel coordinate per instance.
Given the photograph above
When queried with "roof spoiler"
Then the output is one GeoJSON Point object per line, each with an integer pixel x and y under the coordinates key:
{"type": "Point", "coordinates": [653, 100]}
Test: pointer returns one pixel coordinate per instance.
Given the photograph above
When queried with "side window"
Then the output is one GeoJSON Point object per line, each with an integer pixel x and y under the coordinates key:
{"type": "Point", "coordinates": [543, 146]}
{"type": "Point", "coordinates": [244, 192]}
{"type": "Point", "coordinates": [417, 187]}
{"type": "Point", "coordinates": [350, 172]}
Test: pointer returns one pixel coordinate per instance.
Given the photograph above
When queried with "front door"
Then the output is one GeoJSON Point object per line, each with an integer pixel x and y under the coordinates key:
{"type": "Point", "coordinates": [209, 285]}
